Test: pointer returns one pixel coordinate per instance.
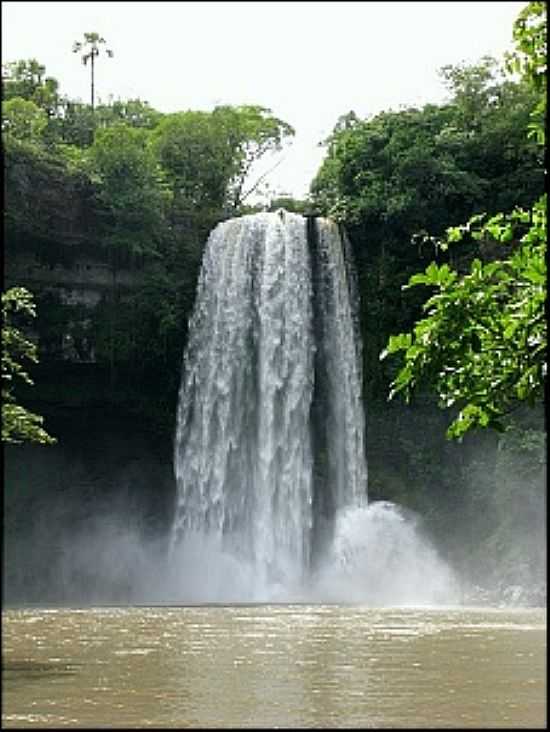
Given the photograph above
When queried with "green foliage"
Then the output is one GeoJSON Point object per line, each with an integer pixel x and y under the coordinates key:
{"type": "Point", "coordinates": [252, 132]}
{"type": "Point", "coordinates": [482, 345]}
{"type": "Point", "coordinates": [26, 79]}
{"type": "Point", "coordinates": [89, 47]}
{"type": "Point", "coordinates": [76, 158]}
{"type": "Point", "coordinates": [530, 55]}
{"type": "Point", "coordinates": [197, 158]}
{"type": "Point", "coordinates": [23, 120]}
{"type": "Point", "coordinates": [18, 424]}
{"type": "Point", "coordinates": [77, 124]}
{"type": "Point", "coordinates": [209, 155]}
{"type": "Point", "coordinates": [410, 170]}
{"type": "Point", "coordinates": [474, 89]}
{"type": "Point", "coordinates": [131, 186]}
{"type": "Point", "coordinates": [68, 121]}
{"type": "Point", "coordinates": [290, 204]}
{"type": "Point", "coordinates": [393, 178]}
{"type": "Point", "coordinates": [530, 59]}
{"type": "Point", "coordinates": [160, 183]}
{"type": "Point", "coordinates": [89, 50]}
{"type": "Point", "coordinates": [403, 173]}
{"type": "Point", "coordinates": [133, 112]}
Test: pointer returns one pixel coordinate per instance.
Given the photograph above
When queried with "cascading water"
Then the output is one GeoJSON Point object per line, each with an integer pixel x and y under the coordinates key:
{"type": "Point", "coordinates": [243, 447]}
{"type": "Point", "coordinates": [269, 451]}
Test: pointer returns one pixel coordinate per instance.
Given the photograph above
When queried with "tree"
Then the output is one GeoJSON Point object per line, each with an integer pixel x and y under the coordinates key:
{"type": "Point", "coordinates": [409, 170]}
{"type": "Point", "coordinates": [89, 50]}
{"type": "Point", "coordinates": [289, 203]}
{"type": "Point", "coordinates": [133, 112]}
{"type": "Point", "coordinates": [482, 343]}
{"type": "Point", "coordinates": [27, 79]}
{"type": "Point", "coordinates": [132, 189]}
{"type": "Point", "coordinates": [393, 177]}
{"type": "Point", "coordinates": [131, 186]}
{"type": "Point", "coordinates": [474, 89]}
{"type": "Point", "coordinates": [197, 156]}
{"type": "Point", "coordinates": [77, 123]}
{"type": "Point", "coordinates": [530, 59]}
{"type": "Point", "coordinates": [252, 132]}
{"type": "Point", "coordinates": [209, 155]}
{"type": "Point", "coordinates": [23, 120]}
{"type": "Point", "coordinates": [18, 423]}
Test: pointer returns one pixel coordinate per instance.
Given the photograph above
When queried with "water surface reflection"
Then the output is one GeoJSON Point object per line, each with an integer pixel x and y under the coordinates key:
{"type": "Point", "coordinates": [274, 666]}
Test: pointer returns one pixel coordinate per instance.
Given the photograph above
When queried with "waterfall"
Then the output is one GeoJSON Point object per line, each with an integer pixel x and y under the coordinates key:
{"type": "Point", "coordinates": [269, 443]}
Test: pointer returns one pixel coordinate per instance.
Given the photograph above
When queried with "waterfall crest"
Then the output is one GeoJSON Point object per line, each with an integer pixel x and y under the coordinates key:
{"type": "Point", "coordinates": [270, 391]}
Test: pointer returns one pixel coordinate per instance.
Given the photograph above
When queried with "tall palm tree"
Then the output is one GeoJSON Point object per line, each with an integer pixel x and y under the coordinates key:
{"type": "Point", "coordinates": [90, 49]}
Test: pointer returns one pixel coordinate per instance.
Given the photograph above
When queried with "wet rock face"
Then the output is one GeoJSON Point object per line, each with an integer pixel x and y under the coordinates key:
{"type": "Point", "coordinates": [54, 226]}
{"type": "Point", "coordinates": [47, 202]}
{"type": "Point", "coordinates": [53, 246]}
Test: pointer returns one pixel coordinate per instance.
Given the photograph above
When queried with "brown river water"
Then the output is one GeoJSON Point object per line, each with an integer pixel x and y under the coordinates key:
{"type": "Point", "coordinates": [273, 666]}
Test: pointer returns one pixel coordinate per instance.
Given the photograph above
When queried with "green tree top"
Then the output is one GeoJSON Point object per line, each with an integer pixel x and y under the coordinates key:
{"type": "Point", "coordinates": [27, 79]}
{"type": "Point", "coordinates": [252, 131]}
{"type": "Point", "coordinates": [209, 155]}
{"type": "Point", "coordinates": [132, 186]}
{"type": "Point", "coordinates": [23, 119]}
{"type": "Point", "coordinates": [89, 49]}
{"type": "Point", "coordinates": [530, 59]}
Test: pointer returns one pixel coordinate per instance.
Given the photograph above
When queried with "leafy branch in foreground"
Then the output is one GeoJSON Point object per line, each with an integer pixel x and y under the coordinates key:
{"type": "Point", "coordinates": [18, 423]}
{"type": "Point", "coordinates": [482, 344]}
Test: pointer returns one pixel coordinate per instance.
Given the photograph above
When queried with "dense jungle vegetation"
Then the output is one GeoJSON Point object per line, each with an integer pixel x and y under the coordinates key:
{"type": "Point", "coordinates": [159, 184]}
{"type": "Point", "coordinates": [440, 202]}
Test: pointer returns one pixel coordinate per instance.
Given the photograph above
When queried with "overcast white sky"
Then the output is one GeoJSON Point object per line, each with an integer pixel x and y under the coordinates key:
{"type": "Point", "coordinates": [309, 62]}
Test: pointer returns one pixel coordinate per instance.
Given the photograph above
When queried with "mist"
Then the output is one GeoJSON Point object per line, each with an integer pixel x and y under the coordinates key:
{"type": "Point", "coordinates": [76, 537]}
{"type": "Point", "coordinates": [499, 538]}
{"type": "Point", "coordinates": [378, 557]}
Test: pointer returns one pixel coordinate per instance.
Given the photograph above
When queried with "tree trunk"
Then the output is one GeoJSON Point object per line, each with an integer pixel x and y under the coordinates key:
{"type": "Point", "coordinates": [92, 79]}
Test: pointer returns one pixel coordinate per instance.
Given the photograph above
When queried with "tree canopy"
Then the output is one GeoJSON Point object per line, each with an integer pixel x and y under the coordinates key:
{"type": "Point", "coordinates": [27, 79]}
{"type": "Point", "coordinates": [131, 186]}
{"type": "Point", "coordinates": [89, 50]}
{"type": "Point", "coordinates": [252, 131]}
{"type": "Point", "coordinates": [23, 119]}
{"type": "Point", "coordinates": [160, 183]}
{"type": "Point", "coordinates": [399, 181]}
{"type": "Point", "coordinates": [393, 178]}
{"type": "Point", "coordinates": [482, 343]}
